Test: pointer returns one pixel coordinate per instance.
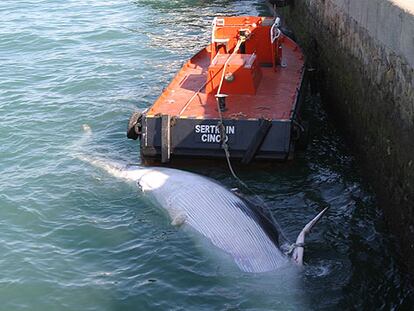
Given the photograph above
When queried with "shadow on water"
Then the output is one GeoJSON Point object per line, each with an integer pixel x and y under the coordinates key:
{"type": "Point", "coordinates": [356, 255]}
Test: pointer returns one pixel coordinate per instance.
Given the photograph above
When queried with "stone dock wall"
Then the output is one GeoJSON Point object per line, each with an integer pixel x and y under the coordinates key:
{"type": "Point", "coordinates": [364, 52]}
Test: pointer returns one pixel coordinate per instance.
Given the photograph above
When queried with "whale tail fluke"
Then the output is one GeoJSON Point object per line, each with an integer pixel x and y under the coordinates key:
{"type": "Point", "coordinates": [111, 167]}
{"type": "Point", "coordinates": [77, 146]}
{"type": "Point", "coordinates": [78, 152]}
{"type": "Point", "coordinates": [298, 249]}
{"type": "Point", "coordinates": [116, 169]}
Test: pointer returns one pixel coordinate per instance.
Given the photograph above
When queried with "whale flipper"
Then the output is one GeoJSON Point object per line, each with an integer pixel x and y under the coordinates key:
{"type": "Point", "coordinates": [179, 220]}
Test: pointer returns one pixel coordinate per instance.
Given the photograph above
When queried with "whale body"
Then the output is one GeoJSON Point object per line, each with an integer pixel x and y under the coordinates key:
{"type": "Point", "coordinates": [224, 218]}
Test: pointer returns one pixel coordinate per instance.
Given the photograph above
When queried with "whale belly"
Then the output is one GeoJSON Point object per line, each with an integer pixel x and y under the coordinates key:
{"type": "Point", "coordinates": [226, 221]}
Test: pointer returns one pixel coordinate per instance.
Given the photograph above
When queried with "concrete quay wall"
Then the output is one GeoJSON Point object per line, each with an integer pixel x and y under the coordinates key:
{"type": "Point", "coordinates": [364, 52]}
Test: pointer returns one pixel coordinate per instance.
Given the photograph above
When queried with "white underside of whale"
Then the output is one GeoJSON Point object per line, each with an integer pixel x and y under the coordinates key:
{"type": "Point", "coordinates": [210, 209]}
{"type": "Point", "coordinates": [214, 212]}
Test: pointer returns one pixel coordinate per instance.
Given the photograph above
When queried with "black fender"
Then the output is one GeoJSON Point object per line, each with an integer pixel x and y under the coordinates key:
{"type": "Point", "coordinates": [134, 126]}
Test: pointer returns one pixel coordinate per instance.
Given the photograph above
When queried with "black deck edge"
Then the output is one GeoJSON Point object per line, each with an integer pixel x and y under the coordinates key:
{"type": "Point", "coordinates": [257, 141]}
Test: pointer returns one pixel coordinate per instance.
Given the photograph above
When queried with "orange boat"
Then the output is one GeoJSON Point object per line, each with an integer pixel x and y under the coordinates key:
{"type": "Point", "coordinates": [239, 97]}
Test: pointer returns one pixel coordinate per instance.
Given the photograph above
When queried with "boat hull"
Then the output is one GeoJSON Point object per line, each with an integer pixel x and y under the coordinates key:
{"type": "Point", "coordinates": [195, 137]}
{"type": "Point", "coordinates": [259, 102]}
{"type": "Point", "coordinates": [200, 137]}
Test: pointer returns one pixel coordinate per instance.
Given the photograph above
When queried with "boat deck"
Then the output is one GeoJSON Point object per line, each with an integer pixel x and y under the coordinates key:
{"type": "Point", "coordinates": [275, 98]}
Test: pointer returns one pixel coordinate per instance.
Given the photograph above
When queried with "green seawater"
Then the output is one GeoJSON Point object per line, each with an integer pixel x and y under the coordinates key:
{"type": "Point", "coordinates": [74, 238]}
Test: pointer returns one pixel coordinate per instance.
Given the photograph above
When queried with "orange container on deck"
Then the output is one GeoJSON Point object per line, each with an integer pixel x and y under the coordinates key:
{"type": "Point", "coordinates": [242, 74]}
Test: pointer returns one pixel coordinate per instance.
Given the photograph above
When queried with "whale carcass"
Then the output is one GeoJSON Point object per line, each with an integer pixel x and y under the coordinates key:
{"type": "Point", "coordinates": [233, 225]}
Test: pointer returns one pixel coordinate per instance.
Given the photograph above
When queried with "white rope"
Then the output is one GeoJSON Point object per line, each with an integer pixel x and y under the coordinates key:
{"type": "Point", "coordinates": [292, 247]}
{"type": "Point", "coordinates": [196, 93]}
{"type": "Point", "coordinates": [222, 129]}
{"type": "Point", "coordinates": [239, 42]}
{"type": "Point", "coordinates": [224, 145]}
{"type": "Point", "coordinates": [236, 49]}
